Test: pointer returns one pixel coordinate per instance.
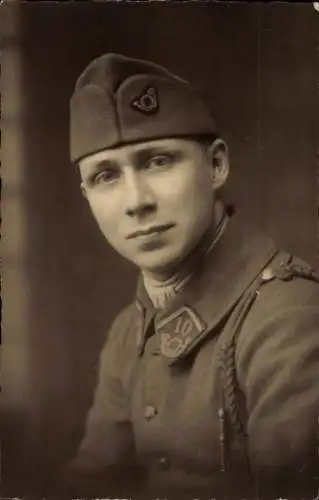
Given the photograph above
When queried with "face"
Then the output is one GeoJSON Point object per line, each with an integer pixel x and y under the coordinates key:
{"type": "Point", "coordinates": [152, 200]}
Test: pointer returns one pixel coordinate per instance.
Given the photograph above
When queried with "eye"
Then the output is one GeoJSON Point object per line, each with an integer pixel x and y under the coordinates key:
{"type": "Point", "coordinates": [159, 161]}
{"type": "Point", "coordinates": [106, 176]}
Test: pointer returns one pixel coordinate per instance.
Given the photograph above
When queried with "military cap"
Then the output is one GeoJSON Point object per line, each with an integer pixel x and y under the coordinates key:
{"type": "Point", "coordinates": [119, 100]}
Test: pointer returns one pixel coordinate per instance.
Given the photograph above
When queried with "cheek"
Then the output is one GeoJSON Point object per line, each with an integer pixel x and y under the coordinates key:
{"type": "Point", "coordinates": [193, 194]}
{"type": "Point", "coordinates": [104, 212]}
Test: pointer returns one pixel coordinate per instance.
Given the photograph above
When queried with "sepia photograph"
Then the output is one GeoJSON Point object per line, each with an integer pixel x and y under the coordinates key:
{"type": "Point", "coordinates": [160, 250]}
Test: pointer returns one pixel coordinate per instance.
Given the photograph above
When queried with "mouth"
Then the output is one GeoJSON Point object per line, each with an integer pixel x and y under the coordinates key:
{"type": "Point", "coordinates": [150, 231]}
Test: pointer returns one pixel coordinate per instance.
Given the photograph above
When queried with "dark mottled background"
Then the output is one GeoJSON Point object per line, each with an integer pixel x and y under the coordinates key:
{"type": "Point", "coordinates": [61, 284]}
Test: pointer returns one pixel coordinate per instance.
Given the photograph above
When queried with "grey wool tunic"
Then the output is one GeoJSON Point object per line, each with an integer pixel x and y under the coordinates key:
{"type": "Point", "coordinates": [216, 395]}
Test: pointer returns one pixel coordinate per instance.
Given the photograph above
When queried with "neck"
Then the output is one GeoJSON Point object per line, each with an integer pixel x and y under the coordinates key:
{"type": "Point", "coordinates": [162, 287]}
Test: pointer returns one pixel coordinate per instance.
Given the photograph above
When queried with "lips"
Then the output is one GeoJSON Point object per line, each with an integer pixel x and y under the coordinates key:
{"type": "Point", "coordinates": [150, 230]}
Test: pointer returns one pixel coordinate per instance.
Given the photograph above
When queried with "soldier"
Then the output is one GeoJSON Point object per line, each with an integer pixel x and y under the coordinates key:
{"type": "Point", "coordinates": [208, 380]}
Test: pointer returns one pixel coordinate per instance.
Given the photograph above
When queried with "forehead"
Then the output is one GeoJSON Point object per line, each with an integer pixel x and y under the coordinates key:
{"type": "Point", "coordinates": [130, 150]}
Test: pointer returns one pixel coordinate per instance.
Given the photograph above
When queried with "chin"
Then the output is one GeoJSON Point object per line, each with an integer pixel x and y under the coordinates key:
{"type": "Point", "coordinates": [159, 262]}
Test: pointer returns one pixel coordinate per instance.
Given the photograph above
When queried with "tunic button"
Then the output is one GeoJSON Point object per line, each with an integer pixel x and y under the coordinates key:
{"type": "Point", "coordinates": [150, 412]}
{"type": "Point", "coordinates": [163, 462]}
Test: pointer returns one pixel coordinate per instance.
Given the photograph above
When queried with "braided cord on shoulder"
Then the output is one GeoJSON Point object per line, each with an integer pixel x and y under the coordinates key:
{"type": "Point", "coordinates": [228, 363]}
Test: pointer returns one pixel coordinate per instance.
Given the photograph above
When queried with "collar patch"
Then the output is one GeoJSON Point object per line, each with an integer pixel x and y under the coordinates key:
{"type": "Point", "coordinates": [178, 331]}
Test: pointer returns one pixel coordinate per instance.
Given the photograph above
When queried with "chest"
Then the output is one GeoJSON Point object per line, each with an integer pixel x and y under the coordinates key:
{"type": "Point", "coordinates": [174, 407]}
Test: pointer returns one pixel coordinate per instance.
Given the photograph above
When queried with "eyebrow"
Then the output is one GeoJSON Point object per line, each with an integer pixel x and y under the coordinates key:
{"type": "Point", "coordinates": [145, 154]}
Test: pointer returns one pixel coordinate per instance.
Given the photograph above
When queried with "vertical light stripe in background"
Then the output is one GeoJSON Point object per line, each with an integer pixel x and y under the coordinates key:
{"type": "Point", "coordinates": [15, 358]}
{"type": "Point", "coordinates": [14, 212]}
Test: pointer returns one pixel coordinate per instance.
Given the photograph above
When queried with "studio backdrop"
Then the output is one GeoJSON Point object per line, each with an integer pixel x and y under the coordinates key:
{"type": "Point", "coordinates": [62, 284]}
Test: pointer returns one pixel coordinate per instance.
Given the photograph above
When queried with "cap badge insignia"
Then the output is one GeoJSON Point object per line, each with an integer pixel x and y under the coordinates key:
{"type": "Point", "coordinates": [147, 102]}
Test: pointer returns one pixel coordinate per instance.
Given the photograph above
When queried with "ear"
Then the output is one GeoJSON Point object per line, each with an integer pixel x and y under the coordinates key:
{"type": "Point", "coordinates": [83, 190]}
{"type": "Point", "coordinates": [218, 154]}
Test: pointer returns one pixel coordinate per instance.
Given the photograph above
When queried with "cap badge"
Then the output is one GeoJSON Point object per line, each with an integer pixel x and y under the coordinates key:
{"type": "Point", "coordinates": [147, 101]}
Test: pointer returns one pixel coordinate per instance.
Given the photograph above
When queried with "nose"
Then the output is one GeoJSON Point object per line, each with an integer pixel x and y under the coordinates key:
{"type": "Point", "coordinates": [138, 197]}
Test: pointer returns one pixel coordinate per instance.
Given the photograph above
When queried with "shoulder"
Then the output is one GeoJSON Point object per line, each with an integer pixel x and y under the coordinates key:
{"type": "Point", "coordinates": [122, 319]}
{"type": "Point", "coordinates": [120, 350]}
{"type": "Point", "coordinates": [120, 341]}
{"type": "Point", "coordinates": [288, 283]}
{"type": "Point", "coordinates": [121, 326]}
{"type": "Point", "coordinates": [285, 309]}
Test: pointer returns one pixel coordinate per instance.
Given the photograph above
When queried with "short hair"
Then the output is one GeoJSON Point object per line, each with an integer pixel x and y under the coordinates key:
{"type": "Point", "coordinates": [205, 140]}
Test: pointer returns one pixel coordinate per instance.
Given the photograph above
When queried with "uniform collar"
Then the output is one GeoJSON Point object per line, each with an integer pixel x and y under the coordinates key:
{"type": "Point", "coordinates": [214, 289]}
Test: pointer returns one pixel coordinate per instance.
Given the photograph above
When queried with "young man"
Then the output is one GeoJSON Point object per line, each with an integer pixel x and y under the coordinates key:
{"type": "Point", "coordinates": [208, 381]}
